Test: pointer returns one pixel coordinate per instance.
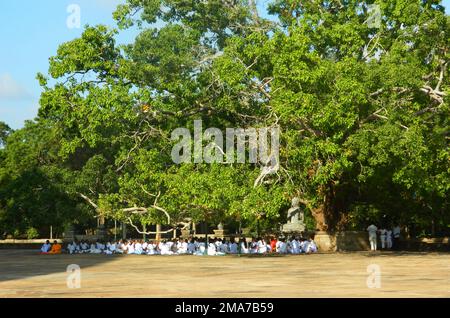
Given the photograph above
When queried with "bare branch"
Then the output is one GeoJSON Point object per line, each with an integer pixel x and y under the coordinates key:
{"type": "Point", "coordinates": [88, 200]}
{"type": "Point", "coordinates": [148, 233]}
{"type": "Point", "coordinates": [441, 75]}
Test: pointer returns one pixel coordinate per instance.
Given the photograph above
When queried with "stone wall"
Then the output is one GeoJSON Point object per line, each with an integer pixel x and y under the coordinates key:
{"type": "Point", "coordinates": [359, 241]}
{"type": "Point", "coordinates": [25, 244]}
{"type": "Point", "coordinates": [352, 241]}
{"type": "Point", "coordinates": [342, 241]}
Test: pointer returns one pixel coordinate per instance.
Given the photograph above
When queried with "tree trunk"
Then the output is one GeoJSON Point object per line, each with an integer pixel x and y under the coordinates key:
{"type": "Point", "coordinates": [329, 215]}
{"type": "Point", "coordinates": [158, 230]}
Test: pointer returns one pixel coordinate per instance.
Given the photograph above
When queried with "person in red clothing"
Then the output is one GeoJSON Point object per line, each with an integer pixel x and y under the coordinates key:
{"type": "Point", "coordinates": [273, 244]}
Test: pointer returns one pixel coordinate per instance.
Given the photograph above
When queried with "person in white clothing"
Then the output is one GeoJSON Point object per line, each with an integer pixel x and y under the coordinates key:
{"type": "Point", "coordinates": [169, 247]}
{"type": "Point", "coordinates": [71, 248]}
{"type": "Point", "coordinates": [295, 246]}
{"type": "Point", "coordinates": [182, 247]}
{"type": "Point", "coordinates": [396, 231]}
{"type": "Point", "coordinates": [94, 249]}
{"type": "Point", "coordinates": [151, 248]}
{"type": "Point", "coordinates": [144, 247]}
{"type": "Point", "coordinates": [383, 234]}
{"type": "Point", "coordinates": [372, 229]}
{"type": "Point", "coordinates": [224, 248]}
{"type": "Point", "coordinates": [191, 247]}
{"type": "Point", "coordinates": [312, 247]}
{"type": "Point", "coordinates": [233, 247]}
{"type": "Point", "coordinates": [77, 247]}
{"type": "Point", "coordinates": [282, 246]}
{"type": "Point", "coordinates": [108, 249]}
{"type": "Point", "coordinates": [268, 248]}
{"type": "Point", "coordinates": [201, 248]}
{"type": "Point", "coordinates": [253, 246]}
{"type": "Point", "coordinates": [262, 247]}
{"type": "Point", "coordinates": [84, 247]}
{"type": "Point", "coordinates": [138, 248]}
{"type": "Point", "coordinates": [389, 239]}
{"type": "Point", "coordinates": [100, 246]}
{"type": "Point", "coordinates": [212, 249]}
{"type": "Point", "coordinates": [130, 247]}
{"type": "Point", "coordinates": [46, 247]}
{"type": "Point", "coordinates": [121, 247]}
{"type": "Point", "coordinates": [165, 248]}
{"type": "Point", "coordinates": [243, 245]}
{"type": "Point", "coordinates": [113, 248]}
{"type": "Point", "coordinates": [218, 243]}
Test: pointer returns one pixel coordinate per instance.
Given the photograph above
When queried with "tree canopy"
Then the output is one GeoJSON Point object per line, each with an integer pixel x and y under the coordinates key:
{"type": "Point", "coordinates": [363, 112]}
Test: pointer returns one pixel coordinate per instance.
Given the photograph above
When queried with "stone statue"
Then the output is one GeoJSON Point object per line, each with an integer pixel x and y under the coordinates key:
{"type": "Point", "coordinates": [295, 213]}
{"type": "Point", "coordinates": [295, 219]}
{"type": "Point", "coordinates": [186, 229]}
{"type": "Point", "coordinates": [187, 223]}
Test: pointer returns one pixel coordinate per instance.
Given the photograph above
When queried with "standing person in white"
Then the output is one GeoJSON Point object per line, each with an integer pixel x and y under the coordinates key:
{"type": "Point", "coordinates": [389, 239]}
{"type": "Point", "coordinates": [372, 229]}
{"type": "Point", "coordinates": [383, 234]}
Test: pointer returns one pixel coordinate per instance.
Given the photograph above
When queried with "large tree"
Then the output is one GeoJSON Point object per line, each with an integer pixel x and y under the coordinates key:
{"type": "Point", "coordinates": [362, 108]}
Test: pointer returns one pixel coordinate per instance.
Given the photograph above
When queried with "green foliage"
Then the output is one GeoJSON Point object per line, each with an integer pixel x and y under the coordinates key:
{"type": "Point", "coordinates": [363, 114]}
{"type": "Point", "coordinates": [4, 132]}
{"type": "Point", "coordinates": [32, 233]}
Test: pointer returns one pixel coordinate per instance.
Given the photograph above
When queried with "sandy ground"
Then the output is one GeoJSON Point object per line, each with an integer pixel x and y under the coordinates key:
{"type": "Point", "coordinates": [27, 274]}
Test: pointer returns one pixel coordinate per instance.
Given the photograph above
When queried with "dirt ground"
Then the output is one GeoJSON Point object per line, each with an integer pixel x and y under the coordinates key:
{"type": "Point", "coordinates": [24, 273]}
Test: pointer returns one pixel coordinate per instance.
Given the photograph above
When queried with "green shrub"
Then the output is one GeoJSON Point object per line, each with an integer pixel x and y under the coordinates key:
{"type": "Point", "coordinates": [32, 233]}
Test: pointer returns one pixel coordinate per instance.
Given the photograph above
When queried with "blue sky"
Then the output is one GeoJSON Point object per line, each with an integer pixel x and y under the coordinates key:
{"type": "Point", "coordinates": [30, 32]}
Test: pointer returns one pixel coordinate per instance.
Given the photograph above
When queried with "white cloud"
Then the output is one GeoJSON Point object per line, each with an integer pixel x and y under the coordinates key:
{"type": "Point", "coordinates": [10, 89]}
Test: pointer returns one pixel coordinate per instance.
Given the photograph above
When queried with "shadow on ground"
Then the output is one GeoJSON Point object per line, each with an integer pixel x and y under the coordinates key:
{"type": "Point", "coordinates": [21, 264]}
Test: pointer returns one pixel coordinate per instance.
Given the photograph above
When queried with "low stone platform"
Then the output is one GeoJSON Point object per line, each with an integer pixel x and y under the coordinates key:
{"type": "Point", "coordinates": [26, 274]}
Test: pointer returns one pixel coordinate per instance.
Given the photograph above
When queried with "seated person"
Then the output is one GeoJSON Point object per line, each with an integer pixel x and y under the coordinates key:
{"type": "Point", "coordinates": [212, 249]}
{"type": "Point", "coordinates": [191, 247]}
{"type": "Point", "coordinates": [201, 248]}
{"type": "Point", "coordinates": [261, 246]}
{"type": "Point", "coordinates": [183, 247]}
{"type": "Point", "coordinates": [273, 245]}
{"type": "Point", "coordinates": [223, 248]}
{"type": "Point", "coordinates": [46, 247]}
{"type": "Point", "coordinates": [94, 249]}
{"type": "Point", "coordinates": [144, 247]}
{"type": "Point", "coordinates": [282, 246]}
{"type": "Point", "coordinates": [310, 246]}
{"type": "Point", "coordinates": [253, 246]}
{"type": "Point", "coordinates": [130, 247]}
{"type": "Point", "coordinates": [295, 246]}
{"type": "Point", "coordinates": [138, 250]}
{"type": "Point", "coordinates": [164, 247]}
{"type": "Point", "coordinates": [122, 247]}
{"type": "Point", "coordinates": [73, 248]}
{"type": "Point", "coordinates": [110, 248]}
{"type": "Point", "coordinates": [100, 246]}
{"type": "Point", "coordinates": [84, 247]}
{"type": "Point", "coordinates": [244, 247]}
{"type": "Point", "coordinates": [233, 247]}
{"type": "Point", "coordinates": [56, 248]}
{"type": "Point", "coordinates": [152, 248]}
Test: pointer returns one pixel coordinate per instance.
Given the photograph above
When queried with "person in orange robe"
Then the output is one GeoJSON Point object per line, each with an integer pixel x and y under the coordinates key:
{"type": "Point", "coordinates": [273, 244]}
{"type": "Point", "coordinates": [56, 248]}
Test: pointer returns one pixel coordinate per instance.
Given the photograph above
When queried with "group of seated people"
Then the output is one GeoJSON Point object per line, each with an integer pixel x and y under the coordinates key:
{"type": "Point", "coordinates": [48, 248]}
{"type": "Point", "coordinates": [195, 246]}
